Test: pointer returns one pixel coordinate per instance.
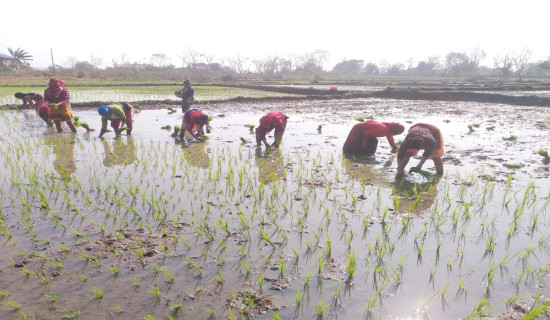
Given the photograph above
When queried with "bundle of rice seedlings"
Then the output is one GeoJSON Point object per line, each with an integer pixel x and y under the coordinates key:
{"type": "Point", "coordinates": [86, 126]}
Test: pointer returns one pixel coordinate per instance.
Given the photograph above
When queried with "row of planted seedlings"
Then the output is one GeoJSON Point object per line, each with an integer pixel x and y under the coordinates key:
{"type": "Point", "coordinates": [165, 235]}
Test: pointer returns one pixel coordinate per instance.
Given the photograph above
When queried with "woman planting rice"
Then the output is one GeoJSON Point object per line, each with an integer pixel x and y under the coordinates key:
{"type": "Point", "coordinates": [362, 138]}
{"type": "Point", "coordinates": [273, 120]}
{"type": "Point", "coordinates": [37, 101]}
{"type": "Point", "coordinates": [421, 136]}
{"type": "Point", "coordinates": [57, 98]}
{"type": "Point", "coordinates": [193, 122]}
{"type": "Point", "coordinates": [119, 114]}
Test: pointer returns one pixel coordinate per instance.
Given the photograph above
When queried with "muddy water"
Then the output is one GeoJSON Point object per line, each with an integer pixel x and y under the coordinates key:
{"type": "Point", "coordinates": [538, 93]}
{"type": "Point", "coordinates": [201, 222]}
{"type": "Point", "coordinates": [338, 87]}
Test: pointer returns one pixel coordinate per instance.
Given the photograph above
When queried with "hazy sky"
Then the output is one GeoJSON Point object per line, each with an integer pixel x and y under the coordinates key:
{"type": "Point", "coordinates": [394, 30]}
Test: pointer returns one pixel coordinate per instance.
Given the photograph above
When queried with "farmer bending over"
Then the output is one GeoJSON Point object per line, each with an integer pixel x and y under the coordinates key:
{"type": "Point", "coordinates": [273, 120]}
{"type": "Point", "coordinates": [57, 98]}
{"type": "Point", "coordinates": [362, 138]}
{"type": "Point", "coordinates": [421, 136]}
{"type": "Point", "coordinates": [37, 101]}
{"type": "Point", "coordinates": [119, 114]}
{"type": "Point", "coordinates": [193, 122]}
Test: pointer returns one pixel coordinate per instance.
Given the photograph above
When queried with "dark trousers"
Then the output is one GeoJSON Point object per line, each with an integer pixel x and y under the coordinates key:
{"type": "Point", "coordinates": [371, 145]}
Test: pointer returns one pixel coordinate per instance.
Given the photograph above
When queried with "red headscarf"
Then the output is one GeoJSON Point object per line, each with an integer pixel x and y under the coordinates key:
{"type": "Point", "coordinates": [55, 86]}
{"type": "Point", "coordinates": [395, 128]}
{"type": "Point", "coordinates": [265, 122]}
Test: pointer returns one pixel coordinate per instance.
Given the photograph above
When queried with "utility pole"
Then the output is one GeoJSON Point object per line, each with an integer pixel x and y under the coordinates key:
{"type": "Point", "coordinates": [53, 64]}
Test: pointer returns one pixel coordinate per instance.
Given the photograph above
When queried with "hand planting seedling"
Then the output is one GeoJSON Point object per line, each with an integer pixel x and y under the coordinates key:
{"type": "Point", "coordinates": [424, 173]}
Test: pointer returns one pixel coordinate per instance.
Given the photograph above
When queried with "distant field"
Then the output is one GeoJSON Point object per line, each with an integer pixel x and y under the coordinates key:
{"type": "Point", "coordinates": [139, 93]}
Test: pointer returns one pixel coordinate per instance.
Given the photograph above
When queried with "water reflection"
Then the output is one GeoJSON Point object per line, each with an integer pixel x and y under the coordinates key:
{"type": "Point", "coordinates": [196, 155]}
{"type": "Point", "coordinates": [408, 196]}
{"type": "Point", "coordinates": [414, 197]}
{"type": "Point", "coordinates": [121, 153]}
{"type": "Point", "coordinates": [63, 148]}
{"type": "Point", "coordinates": [271, 166]}
{"type": "Point", "coordinates": [361, 168]}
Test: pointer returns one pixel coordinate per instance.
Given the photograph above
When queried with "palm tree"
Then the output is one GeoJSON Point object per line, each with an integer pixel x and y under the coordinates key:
{"type": "Point", "coordinates": [20, 55]}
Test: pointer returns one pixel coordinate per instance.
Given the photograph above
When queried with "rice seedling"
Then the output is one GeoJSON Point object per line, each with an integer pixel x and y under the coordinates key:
{"type": "Point", "coordinates": [12, 304]}
{"type": "Point", "coordinates": [260, 281]}
{"type": "Point", "coordinates": [136, 281]}
{"type": "Point", "coordinates": [80, 277]}
{"type": "Point", "coordinates": [514, 165]}
{"type": "Point", "coordinates": [298, 297]}
{"type": "Point", "coordinates": [27, 317]}
{"type": "Point", "coordinates": [115, 270]}
{"type": "Point", "coordinates": [219, 278]}
{"type": "Point", "coordinates": [155, 291]}
{"type": "Point", "coordinates": [321, 308]}
{"type": "Point", "coordinates": [69, 314]}
{"type": "Point", "coordinates": [117, 308]}
{"type": "Point", "coordinates": [350, 266]}
{"type": "Point", "coordinates": [510, 138]}
{"type": "Point", "coordinates": [462, 289]}
{"type": "Point", "coordinates": [177, 130]}
{"type": "Point", "coordinates": [96, 293]}
{"type": "Point", "coordinates": [544, 153]}
{"type": "Point", "coordinates": [281, 267]}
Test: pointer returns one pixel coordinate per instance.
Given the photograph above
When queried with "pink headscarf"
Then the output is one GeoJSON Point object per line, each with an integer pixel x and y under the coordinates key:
{"type": "Point", "coordinates": [55, 86]}
{"type": "Point", "coordinates": [395, 128]}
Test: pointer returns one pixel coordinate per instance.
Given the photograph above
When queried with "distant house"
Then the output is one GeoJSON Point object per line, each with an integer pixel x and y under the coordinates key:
{"type": "Point", "coordinates": [205, 66]}
{"type": "Point", "coordinates": [11, 62]}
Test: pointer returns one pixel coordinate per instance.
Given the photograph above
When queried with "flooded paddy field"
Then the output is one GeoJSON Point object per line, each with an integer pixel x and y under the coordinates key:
{"type": "Point", "coordinates": [83, 94]}
{"type": "Point", "coordinates": [143, 227]}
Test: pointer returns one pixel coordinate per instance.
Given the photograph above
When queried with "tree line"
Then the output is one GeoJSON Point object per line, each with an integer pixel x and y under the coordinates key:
{"type": "Point", "coordinates": [454, 64]}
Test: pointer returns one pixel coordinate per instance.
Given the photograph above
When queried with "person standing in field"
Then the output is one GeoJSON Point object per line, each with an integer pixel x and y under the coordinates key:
{"type": "Point", "coordinates": [194, 122]}
{"type": "Point", "coordinates": [273, 120]}
{"type": "Point", "coordinates": [421, 136]}
{"type": "Point", "coordinates": [37, 101]}
{"type": "Point", "coordinates": [362, 138]}
{"type": "Point", "coordinates": [119, 114]}
{"type": "Point", "coordinates": [187, 96]}
{"type": "Point", "coordinates": [57, 98]}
